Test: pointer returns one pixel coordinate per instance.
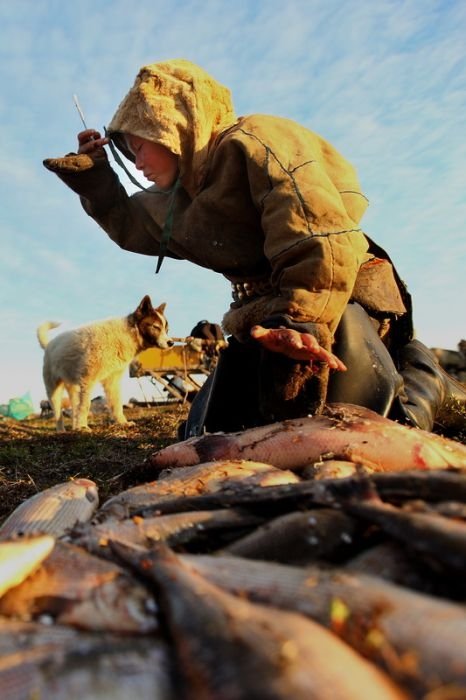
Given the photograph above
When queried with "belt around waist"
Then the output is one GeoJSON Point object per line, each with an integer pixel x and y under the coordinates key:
{"type": "Point", "coordinates": [250, 289]}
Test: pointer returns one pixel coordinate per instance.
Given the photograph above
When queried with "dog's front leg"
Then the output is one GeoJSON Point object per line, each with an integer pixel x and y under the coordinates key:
{"type": "Point", "coordinates": [112, 387]}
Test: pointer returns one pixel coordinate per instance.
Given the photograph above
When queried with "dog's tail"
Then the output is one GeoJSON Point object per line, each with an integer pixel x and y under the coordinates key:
{"type": "Point", "coordinates": [42, 332]}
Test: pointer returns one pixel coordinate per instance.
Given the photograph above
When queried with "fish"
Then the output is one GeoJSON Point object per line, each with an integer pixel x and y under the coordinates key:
{"type": "Point", "coordinates": [76, 588]}
{"type": "Point", "coordinates": [449, 509]}
{"type": "Point", "coordinates": [298, 538]}
{"type": "Point", "coordinates": [442, 538]}
{"type": "Point", "coordinates": [432, 486]}
{"type": "Point", "coordinates": [191, 481]}
{"type": "Point", "coordinates": [54, 510]}
{"type": "Point", "coordinates": [232, 649]}
{"type": "Point", "coordinates": [272, 501]}
{"type": "Point", "coordinates": [62, 663]}
{"type": "Point", "coordinates": [175, 529]}
{"type": "Point", "coordinates": [269, 501]}
{"type": "Point", "coordinates": [394, 562]}
{"type": "Point", "coordinates": [343, 432]}
{"type": "Point", "coordinates": [19, 558]}
{"type": "Point", "coordinates": [417, 639]}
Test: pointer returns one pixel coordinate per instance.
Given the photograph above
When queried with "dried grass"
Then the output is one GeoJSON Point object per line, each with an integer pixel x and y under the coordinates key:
{"type": "Point", "coordinates": [33, 456]}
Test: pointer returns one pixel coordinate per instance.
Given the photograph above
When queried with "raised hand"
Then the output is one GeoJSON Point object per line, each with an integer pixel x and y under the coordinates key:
{"type": "Point", "coordinates": [90, 142]}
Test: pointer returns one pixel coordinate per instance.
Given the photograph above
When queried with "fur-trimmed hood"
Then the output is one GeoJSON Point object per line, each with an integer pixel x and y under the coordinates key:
{"type": "Point", "coordinates": [180, 106]}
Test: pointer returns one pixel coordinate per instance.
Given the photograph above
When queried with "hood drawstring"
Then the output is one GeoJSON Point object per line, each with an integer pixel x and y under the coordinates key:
{"type": "Point", "coordinates": [168, 225]}
{"type": "Point", "coordinates": [120, 162]}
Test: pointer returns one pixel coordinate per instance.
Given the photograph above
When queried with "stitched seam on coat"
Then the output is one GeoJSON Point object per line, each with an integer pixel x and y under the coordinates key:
{"type": "Point", "coordinates": [332, 273]}
{"type": "Point", "coordinates": [354, 192]}
{"type": "Point", "coordinates": [315, 235]}
{"type": "Point", "coordinates": [301, 165]}
{"type": "Point", "coordinates": [269, 153]}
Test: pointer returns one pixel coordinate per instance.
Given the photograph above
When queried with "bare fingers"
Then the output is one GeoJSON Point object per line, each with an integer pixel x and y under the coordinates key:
{"type": "Point", "coordinates": [297, 346]}
{"type": "Point", "coordinates": [90, 140]}
{"type": "Point", "coordinates": [320, 354]}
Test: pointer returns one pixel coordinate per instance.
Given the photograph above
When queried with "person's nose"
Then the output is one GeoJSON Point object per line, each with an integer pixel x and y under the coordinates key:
{"type": "Point", "coordinates": [139, 161]}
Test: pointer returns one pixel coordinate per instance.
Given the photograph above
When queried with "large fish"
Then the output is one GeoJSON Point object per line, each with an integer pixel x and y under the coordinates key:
{"type": "Point", "coordinates": [177, 528]}
{"type": "Point", "coordinates": [442, 538]}
{"type": "Point", "coordinates": [417, 638]}
{"type": "Point", "coordinates": [76, 588]}
{"type": "Point", "coordinates": [53, 662]}
{"type": "Point", "coordinates": [396, 563]}
{"type": "Point", "coordinates": [230, 649]}
{"type": "Point", "coordinates": [192, 481]}
{"type": "Point", "coordinates": [345, 432]}
{"type": "Point", "coordinates": [298, 538]}
{"type": "Point", "coordinates": [20, 558]}
{"type": "Point", "coordinates": [54, 510]}
{"type": "Point", "coordinates": [266, 501]}
{"type": "Point", "coordinates": [440, 485]}
{"type": "Point", "coordinates": [284, 498]}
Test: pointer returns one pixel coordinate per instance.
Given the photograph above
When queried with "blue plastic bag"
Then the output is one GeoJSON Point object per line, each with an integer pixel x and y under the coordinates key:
{"type": "Point", "coordinates": [20, 407]}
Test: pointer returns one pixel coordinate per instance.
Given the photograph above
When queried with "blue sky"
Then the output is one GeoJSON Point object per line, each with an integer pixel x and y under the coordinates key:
{"type": "Point", "coordinates": [384, 81]}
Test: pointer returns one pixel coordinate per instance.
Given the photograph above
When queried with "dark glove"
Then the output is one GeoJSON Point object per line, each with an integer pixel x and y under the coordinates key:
{"type": "Point", "coordinates": [71, 163]}
{"type": "Point", "coordinates": [91, 178]}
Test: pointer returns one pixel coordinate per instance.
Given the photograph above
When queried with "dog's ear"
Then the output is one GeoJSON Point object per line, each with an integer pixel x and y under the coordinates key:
{"type": "Point", "coordinates": [161, 308]}
{"type": "Point", "coordinates": [145, 307]}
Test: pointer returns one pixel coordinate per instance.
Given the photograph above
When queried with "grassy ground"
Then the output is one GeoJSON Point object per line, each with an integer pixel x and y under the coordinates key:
{"type": "Point", "coordinates": [33, 456]}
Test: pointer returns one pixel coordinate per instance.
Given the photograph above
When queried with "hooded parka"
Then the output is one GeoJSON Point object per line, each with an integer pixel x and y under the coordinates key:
{"type": "Point", "coordinates": [262, 200]}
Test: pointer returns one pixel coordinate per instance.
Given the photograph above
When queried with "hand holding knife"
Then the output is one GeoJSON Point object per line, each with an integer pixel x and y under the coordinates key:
{"type": "Point", "coordinates": [89, 140]}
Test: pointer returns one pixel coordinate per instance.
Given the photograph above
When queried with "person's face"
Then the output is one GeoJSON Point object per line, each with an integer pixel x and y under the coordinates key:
{"type": "Point", "coordinates": [158, 164]}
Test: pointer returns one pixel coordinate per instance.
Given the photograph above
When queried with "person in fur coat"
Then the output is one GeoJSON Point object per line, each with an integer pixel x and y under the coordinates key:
{"type": "Point", "coordinates": [318, 311]}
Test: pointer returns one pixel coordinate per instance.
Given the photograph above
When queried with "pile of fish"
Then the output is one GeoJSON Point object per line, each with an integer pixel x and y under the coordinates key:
{"type": "Point", "coordinates": [315, 558]}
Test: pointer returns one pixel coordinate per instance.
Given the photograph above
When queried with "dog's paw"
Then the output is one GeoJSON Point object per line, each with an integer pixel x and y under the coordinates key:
{"type": "Point", "coordinates": [126, 423]}
{"type": "Point", "coordinates": [122, 424]}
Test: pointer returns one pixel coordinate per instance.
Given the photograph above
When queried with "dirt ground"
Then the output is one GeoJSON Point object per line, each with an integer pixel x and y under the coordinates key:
{"type": "Point", "coordinates": [33, 456]}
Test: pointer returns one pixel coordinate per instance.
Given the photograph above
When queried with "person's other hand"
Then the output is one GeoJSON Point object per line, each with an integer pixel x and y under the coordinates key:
{"type": "Point", "coordinates": [296, 345]}
{"type": "Point", "coordinates": [90, 142]}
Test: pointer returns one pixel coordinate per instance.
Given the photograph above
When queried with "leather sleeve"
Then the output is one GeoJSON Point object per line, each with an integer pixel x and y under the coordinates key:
{"type": "Point", "coordinates": [123, 217]}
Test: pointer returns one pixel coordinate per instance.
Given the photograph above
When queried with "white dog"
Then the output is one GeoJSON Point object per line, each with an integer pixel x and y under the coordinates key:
{"type": "Point", "coordinates": [98, 352]}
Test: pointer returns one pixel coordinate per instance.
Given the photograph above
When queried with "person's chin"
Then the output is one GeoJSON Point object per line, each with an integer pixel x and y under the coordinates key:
{"type": "Point", "coordinates": [162, 185]}
{"type": "Point", "coordinates": [156, 183]}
